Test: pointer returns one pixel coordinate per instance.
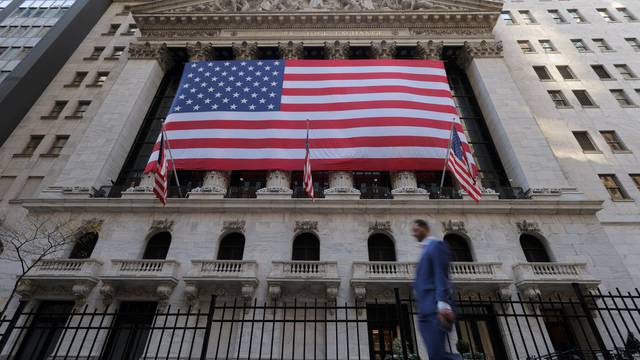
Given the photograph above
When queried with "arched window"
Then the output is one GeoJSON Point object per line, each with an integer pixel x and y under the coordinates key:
{"type": "Point", "coordinates": [533, 248]}
{"type": "Point", "coordinates": [84, 245]}
{"type": "Point", "coordinates": [306, 247]}
{"type": "Point", "coordinates": [381, 248]}
{"type": "Point", "coordinates": [231, 247]}
{"type": "Point", "coordinates": [158, 246]}
{"type": "Point", "coordinates": [459, 248]}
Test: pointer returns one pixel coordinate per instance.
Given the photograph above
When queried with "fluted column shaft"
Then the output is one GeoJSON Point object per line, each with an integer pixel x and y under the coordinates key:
{"type": "Point", "coordinates": [340, 182]}
{"type": "Point", "coordinates": [215, 183]}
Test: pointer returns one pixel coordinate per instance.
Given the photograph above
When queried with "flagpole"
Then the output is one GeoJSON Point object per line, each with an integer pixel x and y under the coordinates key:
{"type": "Point", "coordinates": [173, 164]}
{"type": "Point", "coordinates": [446, 161]}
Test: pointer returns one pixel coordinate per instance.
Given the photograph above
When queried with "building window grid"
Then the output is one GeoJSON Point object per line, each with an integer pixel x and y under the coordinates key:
{"type": "Point", "coordinates": [113, 29]}
{"type": "Point", "coordinates": [543, 73]}
{"type": "Point", "coordinates": [57, 108]}
{"type": "Point", "coordinates": [97, 51]}
{"type": "Point", "coordinates": [527, 17]}
{"type": "Point", "coordinates": [547, 46]}
{"type": "Point", "coordinates": [557, 17]}
{"type": "Point", "coordinates": [606, 15]}
{"type": "Point", "coordinates": [634, 43]}
{"type": "Point", "coordinates": [32, 145]}
{"type": "Point", "coordinates": [576, 16]}
{"type": "Point", "coordinates": [602, 72]}
{"type": "Point", "coordinates": [131, 30]}
{"type": "Point", "coordinates": [81, 108]}
{"type": "Point", "coordinates": [584, 98]}
{"type": "Point", "coordinates": [507, 17]}
{"type": "Point", "coordinates": [566, 72]}
{"type": "Point", "coordinates": [580, 45]}
{"type": "Point", "coordinates": [117, 51]}
{"type": "Point", "coordinates": [526, 46]}
{"type": "Point", "coordinates": [621, 97]}
{"type": "Point", "coordinates": [586, 143]}
{"type": "Point", "coordinates": [78, 78]}
{"type": "Point", "coordinates": [613, 186]}
{"type": "Point", "coordinates": [625, 71]}
{"type": "Point", "coordinates": [613, 140]}
{"type": "Point", "coordinates": [101, 77]}
{"type": "Point", "coordinates": [626, 14]}
{"type": "Point", "coordinates": [602, 44]}
{"type": "Point", "coordinates": [558, 98]}
{"type": "Point", "coordinates": [636, 180]}
{"type": "Point", "coordinates": [58, 144]}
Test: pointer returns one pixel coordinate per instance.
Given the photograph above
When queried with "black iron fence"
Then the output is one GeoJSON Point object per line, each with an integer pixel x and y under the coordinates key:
{"type": "Point", "coordinates": [570, 325]}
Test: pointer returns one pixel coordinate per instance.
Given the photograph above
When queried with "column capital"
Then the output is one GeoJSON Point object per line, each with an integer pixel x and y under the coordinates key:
{"type": "Point", "coordinates": [199, 52]}
{"type": "Point", "coordinates": [245, 50]}
{"type": "Point", "coordinates": [430, 50]}
{"type": "Point", "coordinates": [479, 49]}
{"type": "Point", "coordinates": [149, 51]}
{"type": "Point", "coordinates": [336, 50]}
{"type": "Point", "coordinates": [383, 49]}
{"type": "Point", "coordinates": [291, 50]}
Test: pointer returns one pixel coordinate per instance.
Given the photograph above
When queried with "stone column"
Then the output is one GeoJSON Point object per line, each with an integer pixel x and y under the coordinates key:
{"type": "Point", "coordinates": [340, 182]}
{"type": "Point", "coordinates": [215, 183]}
{"type": "Point", "coordinates": [530, 164]}
{"type": "Point", "coordinates": [279, 181]}
{"type": "Point", "coordinates": [99, 157]}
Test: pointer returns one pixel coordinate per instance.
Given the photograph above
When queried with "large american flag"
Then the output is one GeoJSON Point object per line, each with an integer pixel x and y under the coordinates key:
{"type": "Point", "coordinates": [371, 115]}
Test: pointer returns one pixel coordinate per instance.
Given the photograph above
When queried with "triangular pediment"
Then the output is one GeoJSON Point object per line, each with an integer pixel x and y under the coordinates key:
{"type": "Point", "coordinates": [186, 7]}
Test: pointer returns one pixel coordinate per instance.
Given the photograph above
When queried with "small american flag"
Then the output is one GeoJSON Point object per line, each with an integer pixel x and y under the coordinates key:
{"type": "Point", "coordinates": [308, 179]}
{"type": "Point", "coordinates": [368, 115]}
{"type": "Point", "coordinates": [459, 165]}
{"type": "Point", "coordinates": [160, 177]}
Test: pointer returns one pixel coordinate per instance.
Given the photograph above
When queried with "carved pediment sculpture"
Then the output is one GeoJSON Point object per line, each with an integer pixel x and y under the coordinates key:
{"type": "Point", "coordinates": [234, 225]}
{"type": "Point", "coordinates": [306, 226]}
{"type": "Point", "coordinates": [454, 226]}
{"type": "Point", "coordinates": [243, 6]}
{"type": "Point", "coordinates": [528, 226]}
{"type": "Point", "coordinates": [380, 226]}
{"type": "Point", "coordinates": [161, 225]}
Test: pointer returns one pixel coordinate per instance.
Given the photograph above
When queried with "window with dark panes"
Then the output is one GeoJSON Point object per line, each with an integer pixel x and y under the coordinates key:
{"type": "Point", "coordinates": [615, 190]}
{"type": "Point", "coordinates": [81, 108]}
{"type": "Point", "coordinates": [158, 246]}
{"type": "Point", "coordinates": [566, 72]}
{"type": "Point", "coordinates": [558, 98]}
{"type": "Point", "coordinates": [381, 248]}
{"type": "Point", "coordinates": [231, 247]}
{"type": "Point", "coordinates": [584, 98]}
{"type": "Point", "coordinates": [44, 330]}
{"type": "Point", "coordinates": [602, 72]}
{"type": "Point", "coordinates": [613, 140]}
{"type": "Point", "coordinates": [306, 247]}
{"type": "Point", "coordinates": [32, 145]}
{"type": "Point", "coordinates": [58, 144]}
{"type": "Point", "coordinates": [542, 72]}
{"type": "Point", "coordinates": [459, 248]}
{"type": "Point", "coordinates": [84, 245]}
{"type": "Point", "coordinates": [57, 108]}
{"type": "Point", "coordinates": [636, 180]}
{"type": "Point", "coordinates": [534, 249]}
{"type": "Point", "coordinates": [585, 142]}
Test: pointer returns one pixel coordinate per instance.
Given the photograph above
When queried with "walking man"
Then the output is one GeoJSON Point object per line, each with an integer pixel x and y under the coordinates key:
{"type": "Point", "coordinates": [433, 293]}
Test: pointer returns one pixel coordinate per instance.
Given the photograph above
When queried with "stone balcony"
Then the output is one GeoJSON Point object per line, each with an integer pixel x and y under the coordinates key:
{"type": "Point", "coordinates": [296, 275]}
{"type": "Point", "coordinates": [467, 276]}
{"type": "Point", "coordinates": [535, 278]}
{"type": "Point", "coordinates": [61, 277]}
{"type": "Point", "coordinates": [141, 279]}
{"type": "Point", "coordinates": [221, 275]}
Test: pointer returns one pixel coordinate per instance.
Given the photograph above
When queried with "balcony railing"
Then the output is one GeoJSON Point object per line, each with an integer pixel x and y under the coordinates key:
{"type": "Point", "coordinates": [436, 192]}
{"type": "Point", "coordinates": [304, 270]}
{"type": "Point", "coordinates": [144, 268]}
{"type": "Point", "coordinates": [232, 269]}
{"type": "Point", "coordinates": [242, 192]}
{"type": "Point", "coordinates": [552, 272]}
{"type": "Point", "coordinates": [65, 268]}
{"type": "Point", "coordinates": [377, 271]}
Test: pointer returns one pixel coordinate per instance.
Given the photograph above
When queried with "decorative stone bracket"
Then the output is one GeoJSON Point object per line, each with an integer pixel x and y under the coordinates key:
{"type": "Point", "coordinates": [149, 51]}
{"type": "Point", "coordinates": [525, 226]}
{"type": "Point", "coordinates": [234, 226]}
{"type": "Point", "coordinates": [479, 49]}
{"type": "Point", "coordinates": [161, 225]}
{"type": "Point", "coordinates": [454, 226]}
{"type": "Point", "coordinates": [380, 226]}
{"type": "Point", "coordinates": [306, 226]}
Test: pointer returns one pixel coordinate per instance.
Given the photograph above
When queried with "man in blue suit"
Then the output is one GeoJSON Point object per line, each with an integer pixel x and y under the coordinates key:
{"type": "Point", "coordinates": [433, 293]}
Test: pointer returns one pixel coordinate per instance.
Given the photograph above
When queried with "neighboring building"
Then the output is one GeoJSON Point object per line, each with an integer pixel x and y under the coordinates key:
{"type": "Point", "coordinates": [36, 39]}
{"type": "Point", "coordinates": [552, 134]}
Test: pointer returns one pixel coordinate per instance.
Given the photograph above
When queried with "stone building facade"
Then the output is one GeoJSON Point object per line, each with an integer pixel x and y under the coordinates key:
{"type": "Point", "coordinates": [541, 227]}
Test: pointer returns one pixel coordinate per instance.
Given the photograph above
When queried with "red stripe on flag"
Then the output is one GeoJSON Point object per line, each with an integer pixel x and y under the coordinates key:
{"type": "Point", "coordinates": [364, 76]}
{"type": "Point", "coordinates": [365, 90]}
{"type": "Point", "coordinates": [366, 62]}
{"type": "Point", "coordinates": [363, 105]}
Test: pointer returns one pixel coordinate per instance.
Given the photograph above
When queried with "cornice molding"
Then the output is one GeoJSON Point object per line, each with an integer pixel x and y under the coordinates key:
{"type": "Point", "coordinates": [478, 50]}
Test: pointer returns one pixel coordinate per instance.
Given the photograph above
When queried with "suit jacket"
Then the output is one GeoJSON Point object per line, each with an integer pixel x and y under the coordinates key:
{"type": "Point", "coordinates": [432, 277]}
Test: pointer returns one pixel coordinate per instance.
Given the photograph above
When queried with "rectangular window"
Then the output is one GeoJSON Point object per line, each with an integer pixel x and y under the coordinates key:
{"type": "Point", "coordinates": [625, 71]}
{"type": "Point", "coordinates": [97, 51]}
{"type": "Point", "coordinates": [602, 72]}
{"type": "Point", "coordinates": [558, 98]}
{"type": "Point", "coordinates": [580, 45]}
{"type": "Point", "coordinates": [583, 98]}
{"type": "Point", "coordinates": [634, 43]}
{"type": "Point", "coordinates": [543, 73]}
{"type": "Point", "coordinates": [577, 16]}
{"type": "Point", "coordinates": [507, 17]}
{"type": "Point", "coordinates": [525, 46]}
{"type": "Point", "coordinates": [566, 72]}
{"type": "Point", "coordinates": [82, 107]}
{"type": "Point", "coordinates": [32, 145]}
{"type": "Point", "coordinates": [602, 45]}
{"type": "Point", "coordinates": [621, 97]}
{"type": "Point", "coordinates": [58, 144]}
{"type": "Point", "coordinates": [636, 180]}
{"type": "Point", "coordinates": [557, 17]}
{"type": "Point", "coordinates": [131, 30]}
{"type": "Point", "coordinates": [626, 14]}
{"type": "Point", "coordinates": [117, 51]}
{"type": "Point", "coordinates": [30, 187]}
{"type": "Point", "coordinates": [45, 330]}
{"type": "Point", "coordinates": [585, 142]}
{"type": "Point", "coordinates": [113, 28]}
{"type": "Point", "coordinates": [547, 46]}
{"type": "Point", "coordinates": [613, 140]}
{"type": "Point", "coordinates": [527, 18]}
{"type": "Point", "coordinates": [610, 182]}
{"type": "Point", "coordinates": [77, 79]}
{"type": "Point", "coordinates": [57, 108]}
{"type": "Point", "coordinates": [131, 330]}
{"type": "Point", "coordinates": [100, 78]}
{"type": "Point", "coordinates": [606, 15]}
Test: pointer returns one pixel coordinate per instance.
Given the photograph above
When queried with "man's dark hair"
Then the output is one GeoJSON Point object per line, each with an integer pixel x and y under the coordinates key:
{"type": "Point", "coordinates": [423, 224]}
